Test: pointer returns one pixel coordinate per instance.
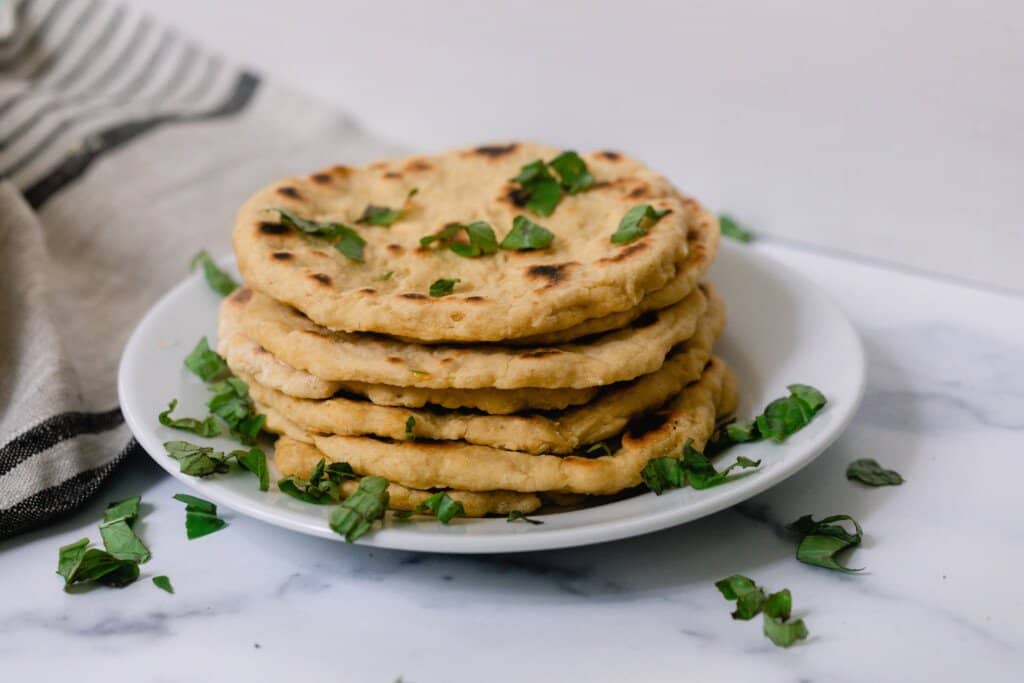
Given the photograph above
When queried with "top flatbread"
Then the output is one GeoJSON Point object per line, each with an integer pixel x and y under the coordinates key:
{"type": "Point", "coordinates": [509, 294]}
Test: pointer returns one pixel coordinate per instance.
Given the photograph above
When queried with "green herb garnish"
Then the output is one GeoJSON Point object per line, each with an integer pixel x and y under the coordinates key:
{"type": "Point", "coordinates": [197, 461]}
{"type": "Point", "coordinates": [692, 468]}
{"type": "Point", "coordinates": [206, 363]}
{"type": "Point", "coordinates": [200, 516]}
{"type": "Point", "coordinates": [748, 595]}
{"type": "Point", "coordinates": [573, 172]}
{"type": "Point", "coordinates": [443, 287]}
{"type": "Point", "coordinates": [254, 460]}
{"type": "Point", "coordinates": [207, 427]}
{"type": "Point", "coordinates": [540, 188]}
{"type": "Point", "coordinates": [322, 486]}
{"type": "Point", "coordinates": [219, 281]}
{"type": "Point", "coordinates": [777, 626]}
{"type": "Point", "coordinates": [356, 515]}
{"type": "Point", "coordinates": [868, 471]}
{"type": "Point", "coordinates": [526, 235]}
{"type": "Point", "coordinates": [823, 540]}
{"type": "Point", "coordinates": [636, 223]}
{"type": "Point", "coordinates": [781, 418]}
{"type": "Point", "coordinates": [442, 506]}
{"type": "Point", "coordinates": [382, 215]}
{"type": "Point", "coordinates": [345, 239]}
{"type": "Point", "coordinates": [163, 583]}
{"type": "Point", "coordinates": [751, 601]}
{"type": "Point", "coordinates": [385, 276]}
{"type": "Point", "coordinates": [78, 563]}
{"type": "Point", "coordinates": [231, 403]}
{"type": "Point", "coordinates": [409, 424]}
{"type": "Point", "coordinates": [480, 236]}
{"type": "Point", "coordinates": [733, 230]}
{"type": "Point", "coordinates": [517, 516]}
{"type": "Point", "coordinates": [121, 542]}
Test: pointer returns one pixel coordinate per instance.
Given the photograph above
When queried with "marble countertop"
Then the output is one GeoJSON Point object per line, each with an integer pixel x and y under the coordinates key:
{"type": "Point", "coordinates": [938, 600]}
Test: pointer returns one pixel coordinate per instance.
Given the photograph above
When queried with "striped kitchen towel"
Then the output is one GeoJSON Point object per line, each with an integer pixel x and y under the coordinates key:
{"type": "Point", "coordinates": [124, 149]}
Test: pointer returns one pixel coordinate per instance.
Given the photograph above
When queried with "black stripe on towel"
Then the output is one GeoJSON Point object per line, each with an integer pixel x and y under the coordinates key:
{"type": "Point", "coordinates": [51, 432]}
{"type": "Point", "coordinates": [105, 141]}
{"type": "Point", "coordinates": [60, 499]}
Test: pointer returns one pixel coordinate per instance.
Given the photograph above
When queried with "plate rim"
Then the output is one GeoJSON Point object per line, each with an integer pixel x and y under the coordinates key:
{"type": "Point", "coordinates": [404, 537]}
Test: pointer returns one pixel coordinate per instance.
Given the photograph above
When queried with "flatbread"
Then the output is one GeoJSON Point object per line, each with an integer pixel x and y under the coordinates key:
{"type": "Point", "coordinates": [425, 465]}
{"type": "Point", "coordinates": [562, 432]}
{"type": "Point", "coordinates": [506, 295]}
{"type": "Point", "coordinates": [615, 356]}
{"type": "Point", "coordinates": [702, 245]}
{"type": "Point", "coordinates": [294, 458]}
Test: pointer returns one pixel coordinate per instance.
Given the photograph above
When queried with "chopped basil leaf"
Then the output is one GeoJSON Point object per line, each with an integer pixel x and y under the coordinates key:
{"type": "Point", "coordinates": [195, 504]}
{"type": "Point", "coordinates": [443, 287]}
{"type": "Point", "coordinates": [573, 172]}
{"type": "Point", "coordinates": [385, 276]}
{"type": "Point", "coordinates": [409, 424]}
{"type": "Point", "coordinates": [121, 542]}
{"type": "Point", "coordinates": [479, 233]}
{"type": "Point", "coordinates": [517, 516]}
{"type": "Point", "coordinates": [526, 234]}
{"type": "Point", "coordinates": [693, 468]}
{"type": "Point", "coordinates": [163, 583]}
{"type": "Point", "coordinates": [808, 395]}
{"type": "Point", "coordinates": [661, 474]}
{"type": "Point", "coordinates": [823, 540]}
{"type": "Point", "coordinates": [443, 507]}
{"type": "Point", "coordinates": [355, 516]}
{"type": "Point", "coordinates": [781, 418]}
{"type": "Point", "coordinates": [540, 188]}
{"type": "Point", "coordinates": [197, 461]}
{"type": "Point", "coordinates": [322, 486]}
{"type": "Point", "coordinates": [733, 230]}
{"type": "Point", "coordinates": [69, 556]}
{"type": "Point", "coordinates": [741, 431]}
{"type": "Point", "coordinates": [777, 627]}
{"type": "Point", "coordinates": [350, 244]}
{"type": "Point", "coordinates": [533, 172]}
{"type": "Point", "coordinates": [199, 524]}
{"type": "Point", "coordinates": [200, 516]}
{"type": "Point", "coordinates": [379, 215]}
{"type": "Point", "coordinates": [636, 223]}
{"type": "Point", "coordinates": [382, 215]}
{"type": "Point", "coordinates": [127, 509]}
{"type": "Point", "coordinates": [119, 537]}
{"type": "Point", "coordinates": [207, 427]}
{"type": "Point", "coordinates": [544, 197]}
{"type": "Point", "coordinates": [219, 281]}
{"type": "Point", "coordinates": [254, 460]}
{"type": "Point", "coordinates": [78, 563]}
{"type": "Point", "coordinates": [206, 363]}
{"type": "Point", "coordinates": [748, 595]}
{"type": "Point", "coordinates": [231, 403]}
{"type": "Point", "coordinates": [751, 600]}
{"type": "Point", "coordinates": [868, 471]}
{"type": "Point", "coordinates": [346, 240]}
{"type": "Point", "coordinates": [100, 566]}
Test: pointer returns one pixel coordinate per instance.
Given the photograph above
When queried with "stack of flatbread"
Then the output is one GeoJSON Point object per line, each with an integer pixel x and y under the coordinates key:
{"type": "Point", "coordinates": [512, 371]}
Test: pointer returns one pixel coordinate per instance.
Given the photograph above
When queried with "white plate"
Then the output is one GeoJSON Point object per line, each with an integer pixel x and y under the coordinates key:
{"type": "Point", "coordinates": [780, 331]}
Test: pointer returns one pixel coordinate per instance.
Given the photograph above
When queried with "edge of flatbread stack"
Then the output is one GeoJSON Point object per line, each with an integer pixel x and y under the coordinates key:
{"type": "Point", "coordinates": [512, 326]}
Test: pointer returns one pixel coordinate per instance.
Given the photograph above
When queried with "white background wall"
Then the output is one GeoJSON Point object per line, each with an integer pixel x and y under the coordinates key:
{"type": "Point", "coordinates": [893, 130]}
